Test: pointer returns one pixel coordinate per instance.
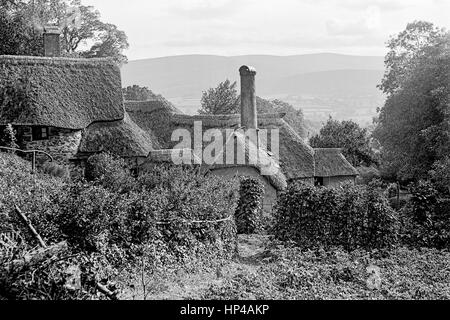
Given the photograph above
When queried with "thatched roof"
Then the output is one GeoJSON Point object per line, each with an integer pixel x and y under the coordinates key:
{"type": "Point", "coordinates": [332, 163]}
{"type": "Point", "coordinates": [167, 156]}
{"type": "Point", "coordinates": [59, 92]}
{"type": "Point", "coordinates": [122, 137]}
{"type": "Point", "coordinates": [296, 157]}
{"type": "Point", "coordinates": [265, 164]}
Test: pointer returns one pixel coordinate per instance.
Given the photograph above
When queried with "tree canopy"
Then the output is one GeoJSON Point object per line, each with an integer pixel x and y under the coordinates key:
{"type": "Point", "coordinates": [348, 135]}
{"type": "Point", "coordinates": [83, 33]}
{"type": "Point", "coordinates": [224, 99]}
{"type": "Point", "coordinates": [138, 93]}
{"type": "Point", "coordinates": [413, 127]}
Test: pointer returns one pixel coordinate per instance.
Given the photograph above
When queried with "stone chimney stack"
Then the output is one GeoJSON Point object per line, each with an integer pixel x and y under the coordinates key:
{"type": "Point", "coordinates": [249, 117]}
{"type": "Point", "coordinates": [52, 46]}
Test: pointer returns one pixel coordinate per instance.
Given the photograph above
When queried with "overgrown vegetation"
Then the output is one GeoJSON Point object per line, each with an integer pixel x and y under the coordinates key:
{"type": "Point", "coordinates": [289, 273]}
{"type": "Point", "coordinates": [160, 221]}
{"type": "Point", "coordinates": [249, 210]}
{"type": "Point", "coordinates": [353, 217]}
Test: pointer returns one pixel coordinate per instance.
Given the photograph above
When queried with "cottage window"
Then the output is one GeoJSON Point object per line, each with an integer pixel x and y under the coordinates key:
{"type": "Point", "coordinates": [40, 133]}
{"type": "Point", "coordinates": [318, 181]}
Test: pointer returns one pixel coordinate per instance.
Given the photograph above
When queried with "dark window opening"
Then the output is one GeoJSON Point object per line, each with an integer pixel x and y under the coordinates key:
{"type": "Point", "coordinates": [40, 133]}
{"type": "Point", "coordinates": [318, 181]}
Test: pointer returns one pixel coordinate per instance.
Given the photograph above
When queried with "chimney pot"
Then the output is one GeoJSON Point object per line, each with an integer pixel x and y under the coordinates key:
{"type": "Point", "coordinates": [52, 46]}
{"type": "Point", "coordinates": [249, 117]}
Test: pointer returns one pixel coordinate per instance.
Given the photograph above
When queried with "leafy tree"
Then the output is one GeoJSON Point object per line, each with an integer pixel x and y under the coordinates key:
{"type": "Point", "coordinates": [17, 35]}
{"type": "Point", "coordinates": [9, 137]}
{"type": "Point", "coordinates": [110, 43]}
{"type": "Point", "coordinates": [22, 24]}
{"type": "Point", "coordinates": [220, 100]}
{"type": "Point", "coordinates": [348, 135]}
{"type": "Point", "coordinates": [138, 93]}
{"type": "Point", "coordinates": [294, 117]}
{"type": "Point", "coordinates": [405, 50]}
{"type": "Point", "coordinates": [413, 126]}
{"type": "Point", "coordinates": [224, 99]}
{"type": "Point", "coordinates": [440, 175]}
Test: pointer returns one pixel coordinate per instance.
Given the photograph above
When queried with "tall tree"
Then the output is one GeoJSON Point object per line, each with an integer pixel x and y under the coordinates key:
{"type": "Point", "coordinates": [413, 126]}
{"type": "Point", "coordinates": [111, 42]}
{"type": "Point", "coordinates": [405, 50]}
{"type": "Point", "coordinates": [18, 36]}
{"type": "Point", "coordinates": [82, 31]}
{"type": "Point", "coordinates": [220, 100]}
{"type": "Point", "coordinates": [348, 135]}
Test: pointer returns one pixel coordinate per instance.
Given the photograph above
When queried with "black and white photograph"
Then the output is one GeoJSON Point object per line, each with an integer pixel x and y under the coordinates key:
{"type": "Point", "coordinates": [223, 156]}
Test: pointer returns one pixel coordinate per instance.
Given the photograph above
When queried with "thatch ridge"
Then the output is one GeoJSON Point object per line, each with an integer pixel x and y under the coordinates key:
{"type": "Point", "coordinates": [330, 162]}
{"type": "Point", "coordinates": [151, 106]}
{"type": "Point", "coordinates": [59, 92]}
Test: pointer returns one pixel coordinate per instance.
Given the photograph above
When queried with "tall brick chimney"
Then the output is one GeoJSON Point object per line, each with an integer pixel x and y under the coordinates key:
{"type": "Point", "coordinates": [52, 47]}
{"type": "Point", "coordinates": [249, 117]}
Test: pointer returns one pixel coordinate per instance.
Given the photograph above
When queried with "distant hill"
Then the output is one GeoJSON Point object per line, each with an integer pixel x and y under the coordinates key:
{"type": "Point", "coordinates": [330, 83]}
{"type": "Point", "coordinates": [181, 79]}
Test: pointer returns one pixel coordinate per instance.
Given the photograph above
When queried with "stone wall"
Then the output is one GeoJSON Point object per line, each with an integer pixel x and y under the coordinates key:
{"type": "Point", "coordinates": [270, 194]}
{"type": "Point", "coordinates": [62, 144]}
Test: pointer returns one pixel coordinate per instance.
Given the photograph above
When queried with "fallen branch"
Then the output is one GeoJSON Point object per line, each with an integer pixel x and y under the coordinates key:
{"type": "Point", "coordinates": [106, 292]}
{"type": "Point", "coordinates": [30, 226]}
{"type": "Point", "coordinates": [38, 256]}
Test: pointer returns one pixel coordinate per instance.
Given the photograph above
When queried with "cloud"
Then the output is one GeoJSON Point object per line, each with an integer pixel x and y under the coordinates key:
{"type": "Point", "coordinates": [369, 22]}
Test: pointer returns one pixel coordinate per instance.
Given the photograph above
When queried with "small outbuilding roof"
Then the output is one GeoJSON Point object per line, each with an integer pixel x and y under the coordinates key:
{"type": "Point", "coordinates": [59, 92]}
{"type": "Point", "coordinates": [122, 137]}
{"type": "Point", "coordinates": [331, 162]}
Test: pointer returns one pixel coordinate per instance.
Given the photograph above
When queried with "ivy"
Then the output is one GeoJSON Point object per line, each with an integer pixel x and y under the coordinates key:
{"type": "Point", "coordinates": [249, 211]}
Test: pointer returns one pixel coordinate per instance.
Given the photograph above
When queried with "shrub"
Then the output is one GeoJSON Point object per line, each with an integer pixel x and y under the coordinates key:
{"type": "Point", "coordinates": [249, 211]}
{"type": "Point", "coordinates": [8, 138]}
{"type": "Point", "coordinates": [109, 171]}
{"type": "Point", "coordinates": [191, 196]}
{"type": "Point", "coordinates": [56, 170]}
{"type": "Point", "coordinates": [351, 216]}
{"type": "Point", "coordinates": [440, 176]}
{"type": "Point", "coordinates": [367, 174]}
{"type": "Point", "coordinates": [426, 218]}
{"type": "Point", "coordinates": [84, 215]}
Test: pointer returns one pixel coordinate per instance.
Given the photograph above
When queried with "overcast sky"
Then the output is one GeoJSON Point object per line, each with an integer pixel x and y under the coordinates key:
{"type": "Point", "coordinates": [158, 28]}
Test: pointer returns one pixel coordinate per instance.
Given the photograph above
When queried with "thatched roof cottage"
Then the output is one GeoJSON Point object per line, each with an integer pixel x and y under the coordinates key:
{"type": "Point", "coordinates": [73, 108]}
{"type": "Point", "coordinates": [297, 160]}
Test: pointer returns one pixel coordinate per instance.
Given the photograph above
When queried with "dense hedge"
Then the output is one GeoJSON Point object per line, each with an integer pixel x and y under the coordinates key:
{"type": "Point", "coordinates": [249, 210]}
{"type": "Point", "coordinates": [351, 216]}
{"type": "Point", "coordinates": [426, 218]}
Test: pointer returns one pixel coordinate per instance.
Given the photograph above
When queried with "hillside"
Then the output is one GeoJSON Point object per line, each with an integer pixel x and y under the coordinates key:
{"type": "Point", "coordinates": [317, 80]}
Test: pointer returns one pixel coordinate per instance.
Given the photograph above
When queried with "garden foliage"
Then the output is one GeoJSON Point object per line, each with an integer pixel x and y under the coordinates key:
{"type": "Point", "coordinates": [350, 216]}
{"type": "Point", "coordinates": [249, 211]}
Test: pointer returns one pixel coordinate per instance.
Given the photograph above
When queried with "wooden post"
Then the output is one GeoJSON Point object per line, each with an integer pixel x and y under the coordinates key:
{"type": "Point", "coordinates": [33, 162]}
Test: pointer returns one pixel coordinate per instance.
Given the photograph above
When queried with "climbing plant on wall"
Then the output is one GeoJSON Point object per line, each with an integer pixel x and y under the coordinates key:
{"type": "Point", "coordinates": [249, 210]}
